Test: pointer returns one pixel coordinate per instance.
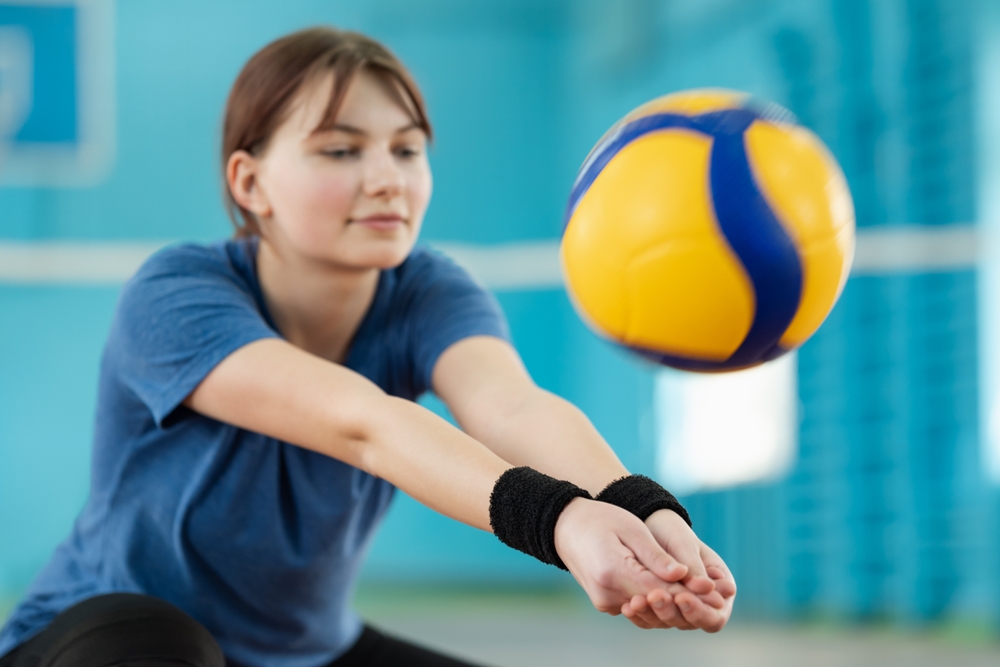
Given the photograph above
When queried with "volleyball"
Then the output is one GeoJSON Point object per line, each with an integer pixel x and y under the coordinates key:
{"type": "Point", "coordinates": [708, 232]}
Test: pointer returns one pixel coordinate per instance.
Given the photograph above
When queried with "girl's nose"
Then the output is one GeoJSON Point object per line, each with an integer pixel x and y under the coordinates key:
{"type": "Point", "coordinates": [382, 176]}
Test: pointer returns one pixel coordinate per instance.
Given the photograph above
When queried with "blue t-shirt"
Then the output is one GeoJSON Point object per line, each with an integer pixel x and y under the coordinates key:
{"type": "Point", "coordinates": [257, 539]}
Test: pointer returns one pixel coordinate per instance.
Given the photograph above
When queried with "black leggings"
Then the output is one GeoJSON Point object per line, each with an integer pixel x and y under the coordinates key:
{"type": "Point", "coordinates": [128, 630]}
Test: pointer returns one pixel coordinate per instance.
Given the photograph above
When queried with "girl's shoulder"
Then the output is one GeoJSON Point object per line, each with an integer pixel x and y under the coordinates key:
{"type": "Point", "coordinates": [225, 264]}
{"type": "Point", "coordinates": [190, 278]}
{"type": "Point", "coordinates": [187, 259]}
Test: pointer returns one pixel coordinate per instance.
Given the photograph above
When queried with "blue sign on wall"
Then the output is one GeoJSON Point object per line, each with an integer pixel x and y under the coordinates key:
{"type": "Point", "coordinates": [56, 92]}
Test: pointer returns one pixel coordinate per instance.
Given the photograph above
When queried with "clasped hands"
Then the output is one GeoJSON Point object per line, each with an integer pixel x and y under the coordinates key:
{"type": "Point", "coordinates": [658, 573]}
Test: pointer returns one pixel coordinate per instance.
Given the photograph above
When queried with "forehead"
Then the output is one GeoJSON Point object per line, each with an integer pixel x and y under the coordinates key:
{"type": "Point", "coordinates": [370, 102]}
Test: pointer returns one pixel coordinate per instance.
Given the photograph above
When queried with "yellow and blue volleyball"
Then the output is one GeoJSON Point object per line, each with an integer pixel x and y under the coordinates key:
{"type": "Point", "coordinates": [708, 232]}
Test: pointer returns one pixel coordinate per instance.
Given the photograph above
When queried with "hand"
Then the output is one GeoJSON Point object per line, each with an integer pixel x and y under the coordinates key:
{"type": "Point", "coordinates": [616, 560]}
{"type": "Point", "coordinates": [691, 607]}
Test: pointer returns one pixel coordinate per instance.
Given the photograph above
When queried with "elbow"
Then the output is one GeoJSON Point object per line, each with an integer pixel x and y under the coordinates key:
{"type": "Point", "coordinates": [366, 431]}
{"type": "Point", "coordinates": [348, 431]}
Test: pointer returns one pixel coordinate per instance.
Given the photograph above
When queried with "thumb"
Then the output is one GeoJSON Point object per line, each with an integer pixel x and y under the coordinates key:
{"type": "Point", "coordinates": [650, 555]}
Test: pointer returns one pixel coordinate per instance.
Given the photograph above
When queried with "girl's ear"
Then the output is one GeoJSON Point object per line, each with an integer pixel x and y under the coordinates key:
{"type": "Point", "coordinates": [242, 169]}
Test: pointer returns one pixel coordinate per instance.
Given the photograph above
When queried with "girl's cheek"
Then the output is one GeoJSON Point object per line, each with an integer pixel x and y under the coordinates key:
{"type": "Point", "coordinates": [335, 197]}
{"type": "Point", "coordinates": [331, 195]}
{"type": "Point", "coordinates": [311, 205]}
{"type": "Point", "coordinates": [419, 187]}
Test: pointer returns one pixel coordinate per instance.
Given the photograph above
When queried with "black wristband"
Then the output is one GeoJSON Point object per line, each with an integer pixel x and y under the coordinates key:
{"type": "Point", "coordinates": [641, 496]}
{"type": "Point", "coordinates": [524, 508]}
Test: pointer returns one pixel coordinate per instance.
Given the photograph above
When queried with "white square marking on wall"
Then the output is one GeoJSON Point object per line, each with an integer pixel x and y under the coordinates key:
{"type": "Point", "coordinates": [57, 92]}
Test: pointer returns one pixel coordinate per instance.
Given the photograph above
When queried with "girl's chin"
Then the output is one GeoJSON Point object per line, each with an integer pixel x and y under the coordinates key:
{"type": "Point", "coordinates": [386, 257]}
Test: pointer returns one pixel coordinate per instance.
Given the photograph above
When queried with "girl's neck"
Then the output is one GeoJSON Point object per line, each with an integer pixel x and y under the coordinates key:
{"type": "Point", "coordinates": [315, 306]}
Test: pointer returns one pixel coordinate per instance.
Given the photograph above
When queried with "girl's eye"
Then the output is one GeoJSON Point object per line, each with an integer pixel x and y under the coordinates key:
{"type": "Point", "coordinates": [407, 152]}
{"type": "Point", "coordinates": [341, 153]}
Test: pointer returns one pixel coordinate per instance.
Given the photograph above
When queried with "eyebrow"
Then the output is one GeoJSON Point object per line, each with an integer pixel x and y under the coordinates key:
{"type": "Point", "coordinates": [357, 131]}
{"type": "Point", "coordinates": [347, 129]}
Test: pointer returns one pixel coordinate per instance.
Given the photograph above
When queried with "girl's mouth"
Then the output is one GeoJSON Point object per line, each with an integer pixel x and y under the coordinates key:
{"type": "Point", "coordinates": [383, 222]}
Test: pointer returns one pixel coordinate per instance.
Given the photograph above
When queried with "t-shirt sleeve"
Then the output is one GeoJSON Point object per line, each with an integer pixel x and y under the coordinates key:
{"type": "Point", "coordinates": [183, 312]}
{"type": "Point", "coordinates": [450, 306]}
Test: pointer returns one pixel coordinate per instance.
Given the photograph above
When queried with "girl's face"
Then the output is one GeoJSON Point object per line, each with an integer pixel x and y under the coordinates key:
{"type": "Point", "coordinates": [353, 196]}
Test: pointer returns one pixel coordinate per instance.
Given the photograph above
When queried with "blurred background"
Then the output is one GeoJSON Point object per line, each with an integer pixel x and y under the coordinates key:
{"type": "Point", "coordinates": [863, 525]}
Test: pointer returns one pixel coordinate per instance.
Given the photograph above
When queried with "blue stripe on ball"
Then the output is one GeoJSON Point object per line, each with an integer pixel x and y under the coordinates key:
{"type": "Point", "coordinates": [683, 363]}
{"type": "Point", "coordinates": [764, 248]}
{"type": "Point", "coordinates": [702, 365]}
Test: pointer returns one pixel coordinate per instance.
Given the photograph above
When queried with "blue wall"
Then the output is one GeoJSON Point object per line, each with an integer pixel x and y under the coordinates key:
{"type": "Point", "coordinates": [886, 512]}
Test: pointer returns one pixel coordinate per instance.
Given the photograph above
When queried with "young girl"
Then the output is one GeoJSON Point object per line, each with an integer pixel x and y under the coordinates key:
{"type": "Point", "coordinates": [256, 411]}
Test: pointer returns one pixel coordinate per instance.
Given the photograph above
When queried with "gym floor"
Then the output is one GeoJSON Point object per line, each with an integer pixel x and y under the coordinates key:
{"type": "Point", "coordinates": [528, 630]}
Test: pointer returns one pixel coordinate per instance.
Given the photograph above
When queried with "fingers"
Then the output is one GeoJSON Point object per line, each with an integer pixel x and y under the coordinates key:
{"type": "Point", "coordinates": [651, 603]}
{"type": "Point", "coordinates": [667, 613]}
{"type": "Point", "coordinates": [656, 604]}
{"type": "Point", "coordinates": [621, 579]}
{"type": "Point", "coordinates": [698, 614]}
{"type": "Point", "coordinates": [682, 610]}
{"type": "Point", "coordinates": [709, 612]}
{"type": "Point", "coordinates": [714, 561]}
{"type": "Point", "coordinates": [724, 586]}
{"type": "Point", "coordinates": [657, 612]}
{"type": "Point", "coordinates": [652, 556]}
{"type": "Point", "coordinates": [679, 541]}
{"type": "Point", "coordinates": [637, 618]}
{"type": "Point", "coordinates": [639, 612]}
{"type": "Point", "coordinates": [716, 568]}
{"type": "Point", "coordinates": [697, 580]}
{"type": "Point", "coordinates": [713, 599]}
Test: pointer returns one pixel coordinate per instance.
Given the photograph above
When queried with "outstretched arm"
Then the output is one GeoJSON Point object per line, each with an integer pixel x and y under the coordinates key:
{"type": "Point", "coordinates": [493, 398]}
{"type": "Point", "coordinates": [277, 389]}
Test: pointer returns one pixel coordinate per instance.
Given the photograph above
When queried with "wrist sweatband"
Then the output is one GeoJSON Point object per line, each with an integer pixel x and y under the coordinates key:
{"type": "Point", "coordinates": [641, 496]}
{"type": "Point", "coordinates": [524, 508]}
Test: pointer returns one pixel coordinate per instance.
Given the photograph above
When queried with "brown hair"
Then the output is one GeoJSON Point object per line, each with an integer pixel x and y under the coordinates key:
{"type": "Point", "coordinates": [268, 84]}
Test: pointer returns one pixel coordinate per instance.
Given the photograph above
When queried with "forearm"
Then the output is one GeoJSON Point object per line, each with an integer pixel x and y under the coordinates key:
{"type": "Point", "coordinates": [552, 435]}
{"type": "Point", "coordinates": [432, 461]}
